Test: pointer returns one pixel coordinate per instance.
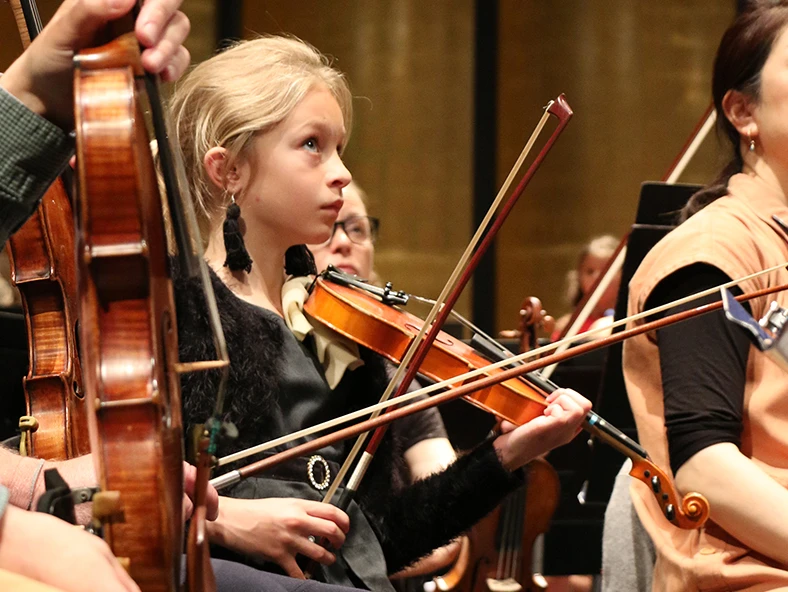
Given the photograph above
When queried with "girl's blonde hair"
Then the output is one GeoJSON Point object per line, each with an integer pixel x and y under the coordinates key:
{"type": "Point", "coordinates": [245, 90]}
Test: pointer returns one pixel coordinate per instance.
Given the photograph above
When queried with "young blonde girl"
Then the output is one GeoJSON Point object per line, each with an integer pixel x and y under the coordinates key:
{"type": "Point", "coordinates": [262, 127]}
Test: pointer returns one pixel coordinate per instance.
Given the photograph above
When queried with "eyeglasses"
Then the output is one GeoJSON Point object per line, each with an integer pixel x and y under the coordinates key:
{"type": "Point", "coordinates": [361, 230]}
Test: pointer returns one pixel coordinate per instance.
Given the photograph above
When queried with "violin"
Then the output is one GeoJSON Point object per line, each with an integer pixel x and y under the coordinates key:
{"type": "Point", "coordinates": [41, 254]}
{"type": "Point", "coordinates": [499, 553]}
{"type": "Point", "coordinates": [389, 331]}
{"type": "Point", "coordinates": [128, 335]}
{"type": "Point", "coordinates": [377, 325]}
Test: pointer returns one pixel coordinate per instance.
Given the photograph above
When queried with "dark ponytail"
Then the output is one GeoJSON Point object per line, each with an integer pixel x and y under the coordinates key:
{"type": "Point", "coordinates": [743, 51]}
{"type": "Point", "coordinates": [299, 261]}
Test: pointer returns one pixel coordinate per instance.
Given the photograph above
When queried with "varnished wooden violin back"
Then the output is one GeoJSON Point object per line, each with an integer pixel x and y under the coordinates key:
{"type": "Point", "coordinates": [128, 334]}
{"type": "Point", "coordinates": [41, 254]}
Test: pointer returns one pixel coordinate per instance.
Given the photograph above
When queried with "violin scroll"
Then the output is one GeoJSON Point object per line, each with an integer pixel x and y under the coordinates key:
{"type": "Point", "coordinates": [693, 509]}
{"type": "Point", "coordinates": [533, 320]}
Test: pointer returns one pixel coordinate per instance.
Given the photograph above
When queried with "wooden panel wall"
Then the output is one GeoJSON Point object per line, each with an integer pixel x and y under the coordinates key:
{"type": "Point", "coordinates": [638, 75]}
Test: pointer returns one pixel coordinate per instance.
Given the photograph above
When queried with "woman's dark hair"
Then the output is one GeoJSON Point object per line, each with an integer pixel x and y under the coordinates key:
{"type": "Point", "coordinates": [743, 51]}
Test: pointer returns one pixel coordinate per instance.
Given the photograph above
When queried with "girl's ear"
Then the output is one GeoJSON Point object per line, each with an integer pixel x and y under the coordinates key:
{"type": "Point", "coordinates": [215, 163]}
{"type": "Point", "coordinates": [740, 111]}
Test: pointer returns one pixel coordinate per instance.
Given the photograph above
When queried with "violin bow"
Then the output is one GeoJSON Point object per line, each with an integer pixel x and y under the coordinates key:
{"type": "Point", "coordinates": [616, 260]}
{"type": "Point", "coordinates": [548, 350]}
{"type": "Point", "coordinates": [199, 573]}
{"type": "Point", "coordinates": [467, 264]}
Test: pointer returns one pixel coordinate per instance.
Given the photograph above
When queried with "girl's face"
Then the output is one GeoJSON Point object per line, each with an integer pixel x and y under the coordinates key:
{"type": "Point", "coordinates": [293, 179]}
{"type": "Point", "coordinates": [588, 271]}
{"type": "Point", "coordinates": [347, 249]}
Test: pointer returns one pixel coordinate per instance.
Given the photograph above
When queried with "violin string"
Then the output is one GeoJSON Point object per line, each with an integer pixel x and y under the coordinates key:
{"type": "Point", "coordinates": [37, 19]}
{"type": "Point", "coordinates": [417, 341]}
{"type": "Point", "coordinates": [471, 375]}
{"type": "Point", "coordinates": [503, 534]}
{"type": "Point", "coordinates": [461, 319]}
{"type": "Point", "coordinates": [519, 525]}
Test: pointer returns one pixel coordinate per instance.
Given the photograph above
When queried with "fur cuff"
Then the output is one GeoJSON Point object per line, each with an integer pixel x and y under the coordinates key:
{"type": "Point", "coordinates": [432, 512]}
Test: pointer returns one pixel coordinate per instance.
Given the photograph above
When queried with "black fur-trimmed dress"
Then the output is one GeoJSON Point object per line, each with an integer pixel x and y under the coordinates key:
{"type": "Point", "coordinates": [277, 386]}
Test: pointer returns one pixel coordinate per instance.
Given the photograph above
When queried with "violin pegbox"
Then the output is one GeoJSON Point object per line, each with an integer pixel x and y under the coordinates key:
{"type": "Point", "coordinates": [689, 512]}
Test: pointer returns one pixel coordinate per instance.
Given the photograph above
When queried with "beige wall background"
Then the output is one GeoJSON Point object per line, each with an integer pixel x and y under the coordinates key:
{"type": "Point", "coordinates": [638, 76]}
{"type": "Point", "coordinates": [636, 73]}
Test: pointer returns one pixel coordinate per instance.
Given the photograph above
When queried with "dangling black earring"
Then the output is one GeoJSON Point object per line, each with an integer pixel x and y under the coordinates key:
{"type": "Point", "coordinates": [237, 256]}
{"type": "Point", "coordinates": [299, 261]}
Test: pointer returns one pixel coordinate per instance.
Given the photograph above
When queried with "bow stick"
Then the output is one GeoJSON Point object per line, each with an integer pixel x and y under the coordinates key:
{"type": "Point", "coordinates": [616, 260]}
{"type": "Point", "coordinates": [199, 572]}
{"type": "Point", "coordinates": [451, 292]}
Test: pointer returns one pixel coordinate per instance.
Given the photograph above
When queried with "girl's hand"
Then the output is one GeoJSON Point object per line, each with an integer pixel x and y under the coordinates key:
{"type": "Point", "coordinates": [562, 420]}
{"type": "Point", "coordinates": [278, 529]}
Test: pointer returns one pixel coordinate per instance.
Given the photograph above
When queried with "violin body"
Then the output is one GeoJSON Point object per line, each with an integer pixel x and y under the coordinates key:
{"type": "Point", "coordinates": [41, 253]}
{"type": "Point", "coordinates": [389, 331]}
{"type": "Point", "coordinates": [499, 554]}
{"type": "Point", "coordinates": [128, 333]}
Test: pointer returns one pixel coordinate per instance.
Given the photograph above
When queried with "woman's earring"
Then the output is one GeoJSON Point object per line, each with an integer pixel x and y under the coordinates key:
{"type": "Point", "coordinates": [752, 143]}
{"type": "Point", "coordinates": [237, 256]}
